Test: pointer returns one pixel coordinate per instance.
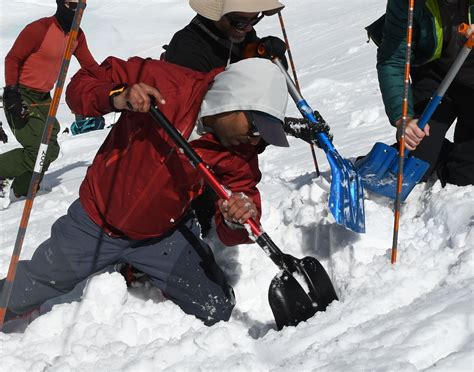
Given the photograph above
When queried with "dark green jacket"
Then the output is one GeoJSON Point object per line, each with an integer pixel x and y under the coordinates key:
{"type": "Point", "coordinates": [389, 33]}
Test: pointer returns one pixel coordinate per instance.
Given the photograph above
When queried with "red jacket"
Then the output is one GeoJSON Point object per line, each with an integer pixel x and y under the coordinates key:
{"type": "Point", "coordinates": [138, 185]}
{"type": "Point", "coordinates": [35, 58]}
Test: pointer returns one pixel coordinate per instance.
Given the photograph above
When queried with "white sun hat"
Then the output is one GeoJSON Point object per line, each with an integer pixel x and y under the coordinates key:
{"type": "Point", "coordinates": [256, 85]}
{"type": "Point", "coordinates": [215, 9]}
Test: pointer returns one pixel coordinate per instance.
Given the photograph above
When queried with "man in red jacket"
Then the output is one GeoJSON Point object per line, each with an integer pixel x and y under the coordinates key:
{"type": "Point", "coordinates": [134, 204]}
{"type": "Point", "coordinates": [31, 70]}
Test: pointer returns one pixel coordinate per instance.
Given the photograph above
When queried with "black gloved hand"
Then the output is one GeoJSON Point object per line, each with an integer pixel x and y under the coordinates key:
{"type": "Point", "coordinates": [13, 102]}
{"type": "Point", "coordinates": [3, 135]}
{"type": "Point", "coordinates": [304, 129]}
{"type": "Point", "coordinates": [273, 47]}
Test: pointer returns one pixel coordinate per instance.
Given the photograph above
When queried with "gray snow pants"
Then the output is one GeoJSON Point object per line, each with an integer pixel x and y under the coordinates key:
{"type": "Point", "coordinates": [180, 264]}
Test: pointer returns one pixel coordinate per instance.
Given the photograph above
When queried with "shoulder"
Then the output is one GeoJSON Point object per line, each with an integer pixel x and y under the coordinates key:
{"type": "Point", "coordinates": [187, 37]}
{"type": "Point", "coordinates": [41, 24]}
{"type": "Point", "coordinates": [81, 36]}
{"type": "Point", "coordinates": [190, 49]}
{"type": "Point", "coordinates": [399, 9]}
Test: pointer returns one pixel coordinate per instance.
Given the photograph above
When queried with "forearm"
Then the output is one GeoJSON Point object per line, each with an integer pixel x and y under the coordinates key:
{"type": "Point", "coordinates": [391, 60]}
{"type": "Point", "coordinates": [83, 54]}
{"type": "Point", "coordinates": [88, 95]}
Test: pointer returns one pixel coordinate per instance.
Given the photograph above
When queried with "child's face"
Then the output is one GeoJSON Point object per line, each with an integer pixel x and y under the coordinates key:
{"type": "Point", "coordinates": [232, 128]}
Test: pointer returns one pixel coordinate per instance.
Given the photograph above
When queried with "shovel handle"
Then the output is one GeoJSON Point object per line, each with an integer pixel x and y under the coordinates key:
{"type": "Point", "coordinates": [303, 106]}
{"type": "Point", "coordinates": [435, 100]}
{"type": "Point", "coordinates": [448, 79]}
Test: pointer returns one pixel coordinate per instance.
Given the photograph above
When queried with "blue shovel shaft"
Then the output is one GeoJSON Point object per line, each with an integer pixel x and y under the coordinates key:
{"type": "Point", "coordinates": [346, 198]}
{"type": "Point", "coordinates": [443, 87]}
{"type": "Point", "coordinates": [305, 109]}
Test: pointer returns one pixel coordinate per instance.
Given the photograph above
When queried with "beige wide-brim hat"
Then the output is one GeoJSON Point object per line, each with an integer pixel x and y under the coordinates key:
{"type": "Point", "coordinates": [215, 9]}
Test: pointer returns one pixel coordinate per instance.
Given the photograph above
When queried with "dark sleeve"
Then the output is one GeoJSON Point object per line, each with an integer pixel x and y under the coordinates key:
{"type": "Point", "coordinates": [28, 41]}
{"type": "Point", "coordinates": [83, 54]}
{"type": "Point", "coordinates": [186, 49]}
{"type": "Point", "coordinates": [391, 60]}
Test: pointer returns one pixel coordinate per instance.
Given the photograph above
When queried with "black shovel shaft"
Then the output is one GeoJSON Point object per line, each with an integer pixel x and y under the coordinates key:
{"type": "Point", "coordinates": [262, 238]}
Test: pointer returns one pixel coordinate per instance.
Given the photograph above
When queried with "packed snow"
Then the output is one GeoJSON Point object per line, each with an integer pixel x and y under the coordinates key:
{"type": "Point", "coordinates": [411, 316]}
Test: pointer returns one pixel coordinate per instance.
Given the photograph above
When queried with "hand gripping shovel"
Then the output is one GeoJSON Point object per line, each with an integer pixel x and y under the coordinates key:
{"type": "Point", "coordinates": [303, 286]}
{"type": "Point", "coordinates": [379, 167]}
{"type": "Point", "coordinates": [346, 198]}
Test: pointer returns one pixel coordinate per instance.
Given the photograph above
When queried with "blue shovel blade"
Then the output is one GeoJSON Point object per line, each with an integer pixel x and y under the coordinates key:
{"type": "Point", "coordinates": [378, 170]}
{"type": "Point", "coordinates": [346, 199]}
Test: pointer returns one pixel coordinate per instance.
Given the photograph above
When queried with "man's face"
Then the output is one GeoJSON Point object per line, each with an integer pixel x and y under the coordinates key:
{"type": "Point", "coordinates": [233, 128]}
{"type": "Point", "coordinates": [71, 4]}
{"type": "Point", "coordinates": [235, 25]}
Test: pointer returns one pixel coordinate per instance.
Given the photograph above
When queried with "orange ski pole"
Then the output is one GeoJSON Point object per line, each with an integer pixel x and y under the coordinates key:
{"type": "Point", "coordinates": [401, 152]}
{"type": "Point", "coordinates": [35, 178]}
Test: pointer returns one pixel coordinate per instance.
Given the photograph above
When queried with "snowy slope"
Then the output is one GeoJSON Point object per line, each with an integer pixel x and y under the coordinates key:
{"type": "Point", "coordinates": [415, 315]}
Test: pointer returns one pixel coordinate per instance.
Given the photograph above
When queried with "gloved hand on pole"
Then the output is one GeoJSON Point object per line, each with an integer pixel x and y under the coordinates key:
{"type": "Point", "coordinates": [13, 101]}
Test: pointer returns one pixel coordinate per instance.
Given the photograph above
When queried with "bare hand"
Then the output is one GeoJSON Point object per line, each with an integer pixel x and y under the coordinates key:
{"type": "Point", "coordinates": [137, 98]}
{"type": "Point", "coordinates": [238, 209]}
{"type": "Point", "coordinates": [413, 134]}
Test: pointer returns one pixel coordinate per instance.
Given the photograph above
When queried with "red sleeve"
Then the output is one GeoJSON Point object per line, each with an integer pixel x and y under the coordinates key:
{"type": "Point", "coordinates": [88, 92]}
{"type": "Point", "coordinates": [28, 41]}
{"type": "Point", "coordinates": [83, 54]}
{"type": "Point", "coordinates": [239, 172]}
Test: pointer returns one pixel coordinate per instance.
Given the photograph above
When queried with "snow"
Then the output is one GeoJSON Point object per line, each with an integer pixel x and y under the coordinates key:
{"type": "Point", "coordinates": [411, 316]}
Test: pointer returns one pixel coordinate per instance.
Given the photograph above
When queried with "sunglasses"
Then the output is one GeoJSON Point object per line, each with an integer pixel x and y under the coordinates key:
{"type": "Point", "coordinates": [241, 23]}
{"type": "Point", "coordinates": [71, 5]}
{"type": "Point", "coordinates": [253, 130]}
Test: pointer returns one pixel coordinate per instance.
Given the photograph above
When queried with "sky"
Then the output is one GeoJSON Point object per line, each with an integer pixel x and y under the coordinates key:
{"type": "Point", "coordinates": [415, 315]}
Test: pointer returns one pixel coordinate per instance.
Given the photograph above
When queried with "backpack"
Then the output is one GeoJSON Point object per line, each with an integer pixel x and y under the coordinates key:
{"type": "Point", "coordinates": [87, 125]}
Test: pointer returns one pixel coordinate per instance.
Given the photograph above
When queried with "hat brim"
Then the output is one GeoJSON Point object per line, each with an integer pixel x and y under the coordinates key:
{"type": "Point", "coordinates": [270, 129]}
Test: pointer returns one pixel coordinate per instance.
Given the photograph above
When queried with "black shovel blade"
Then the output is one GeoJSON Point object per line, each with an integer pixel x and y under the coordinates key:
{"type": "Point", "coordinates": [294, 301]}
{"type": "Point", "coordinates": [289, 302]}
{"type": "Point", "coordinates": [321, 290]}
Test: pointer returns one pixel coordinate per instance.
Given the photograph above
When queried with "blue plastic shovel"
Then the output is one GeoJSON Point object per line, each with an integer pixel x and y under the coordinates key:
{"type": "Point", "coordinates": [346, 198]}
{"type": "Point", "coordinates": [379, 167]}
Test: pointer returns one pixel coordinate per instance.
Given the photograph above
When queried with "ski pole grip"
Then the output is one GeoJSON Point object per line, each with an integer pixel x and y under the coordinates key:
{"type": "Point", "coordinates": [465, 30]}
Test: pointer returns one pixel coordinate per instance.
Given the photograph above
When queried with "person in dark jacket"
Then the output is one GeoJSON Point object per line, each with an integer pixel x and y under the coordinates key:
{"type": "Point", "coordinates": [436, 44]}
{"type": "Point", "coordinates": [31, 70]}
{"type": "Point", "coordinates": [221, 33]}
{"type": "Point", "coordinates": [134, 203]}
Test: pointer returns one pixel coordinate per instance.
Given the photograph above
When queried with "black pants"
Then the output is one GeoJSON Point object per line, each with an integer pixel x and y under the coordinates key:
{"type": "Point", "coordinates": [453, 162]}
